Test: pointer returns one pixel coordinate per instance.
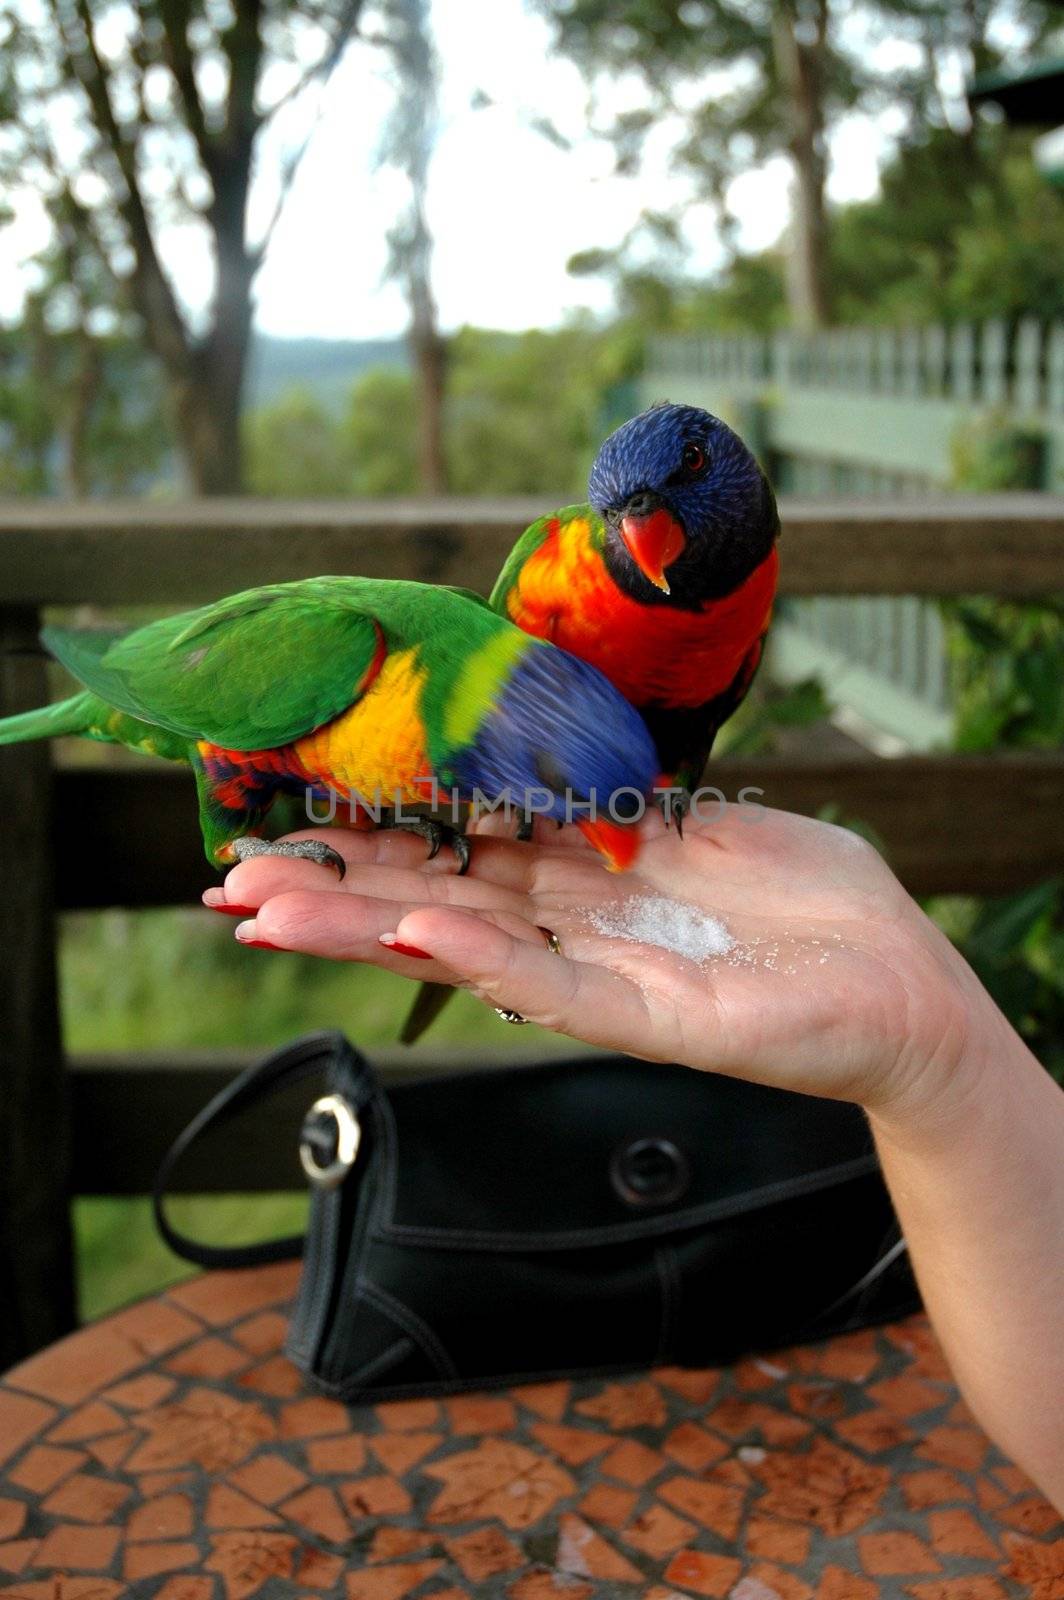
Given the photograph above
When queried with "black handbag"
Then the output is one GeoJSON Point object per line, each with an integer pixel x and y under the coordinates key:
{"type": "Point", "coordinates": [579, 1217]}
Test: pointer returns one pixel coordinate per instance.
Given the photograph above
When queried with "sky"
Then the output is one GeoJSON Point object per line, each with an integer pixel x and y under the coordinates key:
{"type": "Point", "coordinates": [507, 207]}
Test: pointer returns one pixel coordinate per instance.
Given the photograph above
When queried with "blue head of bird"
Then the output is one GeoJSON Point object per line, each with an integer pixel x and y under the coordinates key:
{"type": "Point", "coordinates": [560, 741]}
{"type": "Point", "coordinates": [689, 514]}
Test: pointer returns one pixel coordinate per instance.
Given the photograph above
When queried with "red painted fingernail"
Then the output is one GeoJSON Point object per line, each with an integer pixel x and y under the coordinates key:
{"type": "Point", "coordinates": [260, 944]}
{"type": "Point", "coordinates": [391, 943]}
{"type": "Point", "coordinates": [231, 910]}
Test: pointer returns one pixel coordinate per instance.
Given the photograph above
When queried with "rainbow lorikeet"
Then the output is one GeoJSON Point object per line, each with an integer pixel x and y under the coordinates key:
{"type": "Point", "coordinates": [357, 687]}
{"type": "Point", "coordinates": [664, 581]}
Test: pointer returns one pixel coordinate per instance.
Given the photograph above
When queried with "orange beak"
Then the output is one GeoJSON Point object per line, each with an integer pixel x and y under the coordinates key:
{"type": "Point", "coordinates": [619, 844]}
{"type": "Point", "coordinates": [653, 542]}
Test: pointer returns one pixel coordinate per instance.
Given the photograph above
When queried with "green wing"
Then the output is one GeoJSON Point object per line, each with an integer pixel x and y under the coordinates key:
{"type": "Point", "coordinates": [251, 672]}
{"type": "Point", "coordinates": [530, 541]}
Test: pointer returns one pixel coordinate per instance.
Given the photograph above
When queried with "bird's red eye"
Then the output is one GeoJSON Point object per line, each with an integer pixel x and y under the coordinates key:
{"type": "Point", "coordinates": [694, 457]}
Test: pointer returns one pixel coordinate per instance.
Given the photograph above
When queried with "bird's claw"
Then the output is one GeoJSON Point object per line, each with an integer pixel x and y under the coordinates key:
{"type": "Point", "coordinates": [436, 835]}
{"type": "Point", "coordinates": [674, 805]}
{"type": "Point", "coordinates": [316, 850]}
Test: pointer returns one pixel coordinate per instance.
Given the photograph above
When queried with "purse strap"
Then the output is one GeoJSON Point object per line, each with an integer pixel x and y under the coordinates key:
{"type": "Point", "coordinates": [328, 1052]}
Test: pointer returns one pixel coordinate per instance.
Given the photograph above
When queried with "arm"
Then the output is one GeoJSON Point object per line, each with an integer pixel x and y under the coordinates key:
{"type": "Point", "coordinates": [836, 985]}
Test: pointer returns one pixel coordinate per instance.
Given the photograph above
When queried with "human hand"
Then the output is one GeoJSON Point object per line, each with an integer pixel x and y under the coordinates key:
{"type": "Point", "coordinates": [836, 985]}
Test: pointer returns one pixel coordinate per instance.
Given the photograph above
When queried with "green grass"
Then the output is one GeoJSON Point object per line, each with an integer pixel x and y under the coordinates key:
{"type": "Point", "coordinates": [176, 980]}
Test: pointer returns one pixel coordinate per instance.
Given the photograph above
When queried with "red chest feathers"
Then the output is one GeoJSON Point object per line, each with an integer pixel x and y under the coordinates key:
{"type": "Point", "coordinates": [652, 654]}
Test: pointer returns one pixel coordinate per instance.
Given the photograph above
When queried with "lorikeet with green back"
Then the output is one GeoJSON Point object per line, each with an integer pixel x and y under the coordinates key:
{"type": "Point", "coordinates": [664, 581]}
{"type": "Point", "coordinates": [357, 687]}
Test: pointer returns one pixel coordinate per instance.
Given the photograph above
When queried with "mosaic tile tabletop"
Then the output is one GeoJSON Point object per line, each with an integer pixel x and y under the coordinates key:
{"type": "Point", "coordinates": [172, 1453]}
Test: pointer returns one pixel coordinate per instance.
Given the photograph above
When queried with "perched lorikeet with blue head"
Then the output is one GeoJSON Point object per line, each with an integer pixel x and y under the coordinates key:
{"type": "Point", "coordinates": [357, 687]}
{"type": "Point", "coordinates": [664, 580]}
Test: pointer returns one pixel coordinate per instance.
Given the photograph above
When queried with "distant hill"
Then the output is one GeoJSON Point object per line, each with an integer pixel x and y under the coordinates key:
{"type": "Point", "coordinates": [325, 367]}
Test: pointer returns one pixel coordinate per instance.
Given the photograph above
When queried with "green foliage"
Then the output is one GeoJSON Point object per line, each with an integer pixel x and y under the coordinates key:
{"type": "Point", "coordinates": [293, 449]}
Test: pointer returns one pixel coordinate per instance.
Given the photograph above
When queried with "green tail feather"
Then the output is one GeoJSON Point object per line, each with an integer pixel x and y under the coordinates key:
{"type": "Point", "coordinates": [427, 1005]}
{"type": "Point", "coordinates": [49, 722]}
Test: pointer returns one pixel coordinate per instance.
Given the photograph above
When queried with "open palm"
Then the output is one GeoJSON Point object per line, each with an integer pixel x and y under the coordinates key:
{"type": "Point", "coordinates": [836, 983]}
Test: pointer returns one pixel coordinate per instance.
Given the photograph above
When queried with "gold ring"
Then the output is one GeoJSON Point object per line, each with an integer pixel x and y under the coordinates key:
{"type": "Point", "coordinates": [554, 945]}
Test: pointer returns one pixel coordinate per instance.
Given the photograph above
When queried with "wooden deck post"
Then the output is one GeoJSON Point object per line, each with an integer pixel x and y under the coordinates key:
{"type": "Point", "coordinates": [36, 1260]}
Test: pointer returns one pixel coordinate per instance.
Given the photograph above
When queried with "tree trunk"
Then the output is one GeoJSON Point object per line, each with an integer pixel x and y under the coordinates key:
{"type": "Point", "coordinates": [799, 64]}
{"type": "Point", "coordinates": [84, 388]}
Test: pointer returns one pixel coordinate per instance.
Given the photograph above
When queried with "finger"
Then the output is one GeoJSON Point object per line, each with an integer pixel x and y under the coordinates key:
{"type": "Point", "coordinates": [574, 997]}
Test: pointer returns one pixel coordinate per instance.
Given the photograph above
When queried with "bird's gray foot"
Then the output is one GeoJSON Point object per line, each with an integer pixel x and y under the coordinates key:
{"type": "Point", "coordinates": [524, 828]}
{"type": "Point", "coordinates": [436, 835]}
{"type": "Point", "coordinates": [315, 850]}
{"type": "Point", "coordinates": [674, 805]}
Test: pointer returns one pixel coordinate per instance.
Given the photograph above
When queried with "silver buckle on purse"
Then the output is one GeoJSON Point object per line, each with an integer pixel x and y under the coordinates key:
{"type": "Point", "coordinates": [340, 1145]}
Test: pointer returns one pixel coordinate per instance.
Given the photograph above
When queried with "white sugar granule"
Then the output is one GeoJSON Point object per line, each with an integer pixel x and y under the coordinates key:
{"type": "Point", "coordinates": [669, 924]}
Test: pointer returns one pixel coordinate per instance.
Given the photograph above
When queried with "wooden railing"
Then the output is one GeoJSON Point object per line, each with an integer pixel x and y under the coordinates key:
{"type": "Point", "coordinates": [85, 838]}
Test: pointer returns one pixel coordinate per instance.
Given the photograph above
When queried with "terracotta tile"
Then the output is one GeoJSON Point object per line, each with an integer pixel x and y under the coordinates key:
{"type": "Point", "coordinates": [915, 1338]}
{"type": "Point", "coordinates": [658, 1591]}
{"type": "Point", "coordinates": [575, 1446]}
{"type": "Point", "coordinates": [389, 1583]}
{"type": "Point", "coordinates": [980, 1587]}
{"type": "Point", "coordinates": [17, 1554]}
{"type": "Point", "coordinates": [907, 1395]}
{"type": "Point", "coordinates": [852, 1356]}
{"type": "Point", "coordinates": [337, 1455]}
{"type": "Point", "coordinates": [75, 1368]}
{"type": "Point", "coordinates": [990, 1495]}
{"type": "Point", "coordinates": [609, 1505]}
{"type": "Point", "coordinates": [736, 1418]}
{"type": "Point", "coordinates": [547, 1400]}
{"type": "Point", "coordinates": [149, 1560]}
{"type": "Point", "coordinates": [658, 1532]}
{"type": "Point", "coordinates": [873, 1431]}
{"type": "Point", "coordinates": [388, 1543]}
{"type": "Point", "coordinates": [44, 1466]}
{"type": "Point", "coordinates": [153, 1483]}
{"type": "Point", "coordinates": [935, 1487]}
{"type": "Point", "coordinates": [88, 1422]}
{"type": "Point", "coordinates": [587, 1554]}
{"type": "Point", "coordinates": [268, 1478]}
{"type": "Point", "coordinates": [205, 1428]}
{"type": "Point", "coordinates": [228, 1508]}
{"type": "Point", "coordinates": [262, 1335]}
{"type": "Point", "coordinates": [381, 1496]}
{"type": "Point", "coordinates": [545, 1585]}
{"type": "Point", "coordinates": [626, 1405]}
{"type": "Point", "coordinates": [889, 1554]}
{"type": "Point", "coordinates": [452, 1593]}
{"type": "Point", "coordinates": [483, 1553]}
{"type": "Point", "coordinates": [84, 1498]}
{"type": "Point", "coordinates": [318, 1509]}
{"type": "Point", "coordinates": [221, 1297]}
{"type": "Point", "coordinates": [155, 1327]}
{"type": "Point", "coordinates": [827, 1486]}
{"type": "Point", "coordinates": [408, 1416]}
{"type": "Point", "coordinates": [167, 1516]}
{"type": "Point", "coordinates": [817, 1397]}
{"type": "Point", "coordinates": [1033, 1515]}
{"type": "Point", "coordinates": [703, 1574]}
{"type": "Point", "coordinates": [480, 1413]}
{"type": "Point", "coordinates": [207, 1358]}
{"type": "Point", "coordinates": [717, 1506]}
{"type": "Point", "coordinates": [959, 1412]}
{"type": "Point", "coordinates": [138, 1394]}
{"type": "Point", "coordinates": [757, 1372]}
{"type": "Point", "coordinates": [633, 1463]}
{"type": "Point", "coordinates": [276, 1376]}
{"type": "Point", "coordinates": [731, 1471]}
{"type": "Point", "coordinates": [248, 1560]}
{"type": "Point", "coordinates": [12, 1518]}
{"type": "Point", "coordinates": [65, 1587]}
{"type": "Point", "coordinates": [186, 1588]}
{"type": "Point", "coordinates": [398, 1452]}
{"type": "Point", "coordinates": [696, 1384]}
{"type": "Point", "coordinates": [1039, 1566]}
{"type": "Point", "coordinates": [777, 1541]}
{"type": "Point", "coordinates": [113, 1448]}
{"type": "Point", "coordinates": [956, 1533]}
{"type": "Point", "coordinates": [1013, 1480]}
{"type": "Point", "coordinates": [76, 1548]}
{"type": "Point", "coordinates": [765, 1581]}
{"type": "Point", "coordinates": [693, 1447]}
{"type": "Point", "coordinates": [313, 1417]}
{"type": "Point", "coordinates": [836, 1583]}
{"type": "Point", "coordinates": [498, 1479]}
{"type": "Point", "coordinates": [319, 1570]}
{"type": "Point", "coordinates": [954, 1447]}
